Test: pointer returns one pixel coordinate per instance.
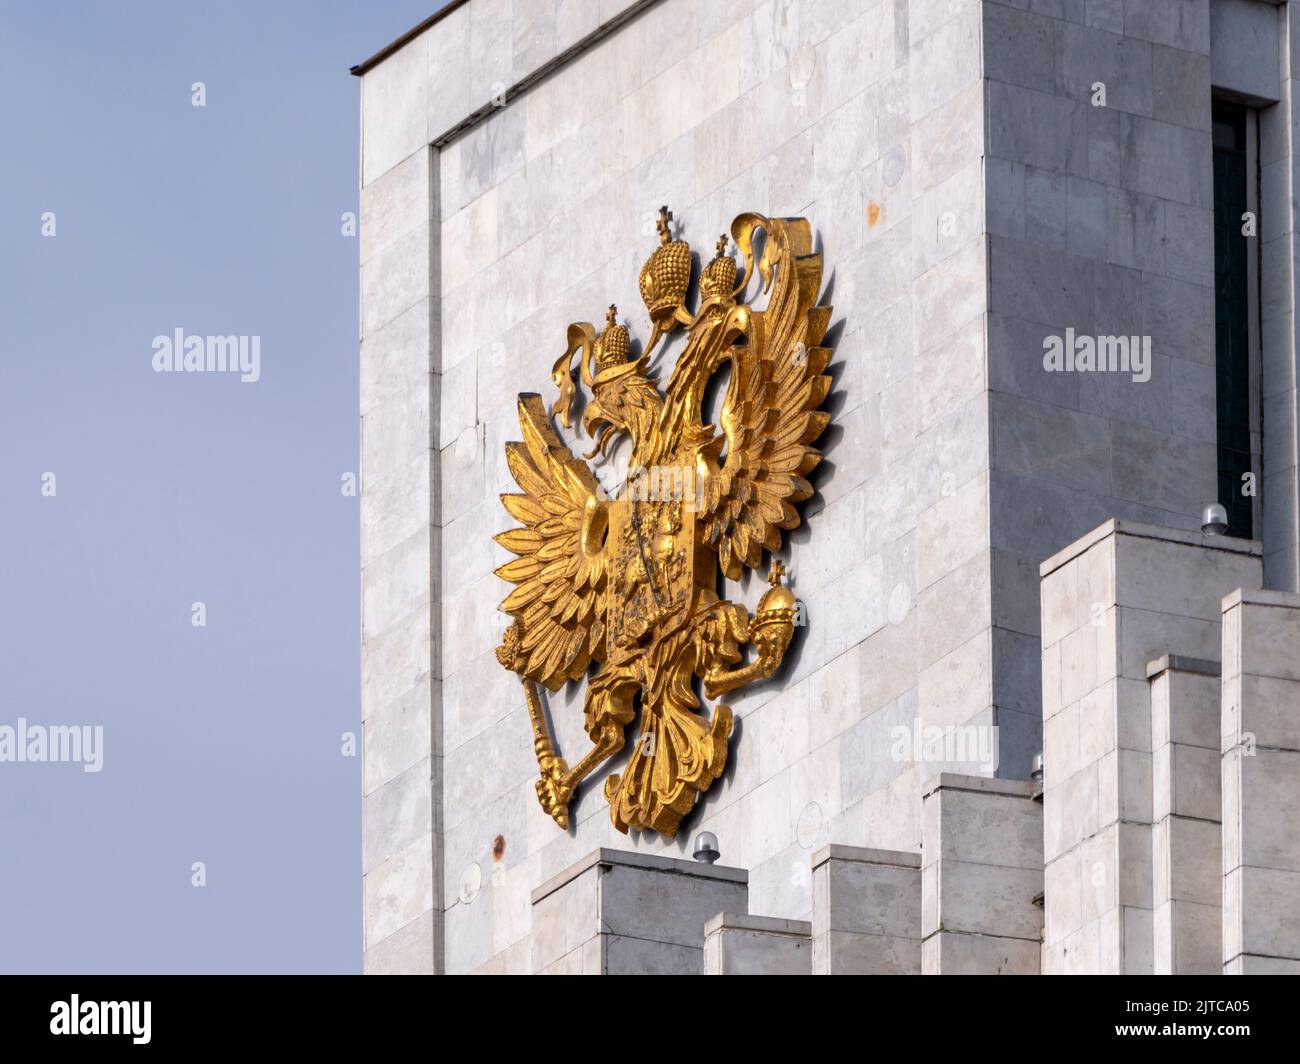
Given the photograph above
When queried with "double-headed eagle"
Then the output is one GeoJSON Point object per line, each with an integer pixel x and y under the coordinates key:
{"type": "Point", "coordinates": [629, 582]}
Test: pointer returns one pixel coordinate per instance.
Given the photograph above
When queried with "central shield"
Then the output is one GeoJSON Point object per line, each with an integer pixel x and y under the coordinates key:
{"type": "Point", "coordinates": [657, 564]}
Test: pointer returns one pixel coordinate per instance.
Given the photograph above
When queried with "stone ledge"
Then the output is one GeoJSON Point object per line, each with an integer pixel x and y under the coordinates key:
{"type": "Point", "coordinates": [1241, 597]}
{"type": "Point", "coordinates": [614, 19]}
{"type": "Point", "coordinates": [649, 862]}
{"type": "Point", "coordinates": [864, 855]}
{"type": "Point", "coordinates": [406, 38]}
{"type": "Point", "coordinates": [1140, 531]}
{"type": "Point", "coordinates": [767, 925]}
{"type": "Point", "coordinates": [956, 781]}
{"type": "Point", "coordinates": [1182, 663]}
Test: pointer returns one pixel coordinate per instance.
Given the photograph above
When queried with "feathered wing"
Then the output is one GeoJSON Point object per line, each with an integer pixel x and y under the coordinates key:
{"type": "Point", "coordinates": [771, 414]}
{"type": "Point", "coordinates": [559, 572]}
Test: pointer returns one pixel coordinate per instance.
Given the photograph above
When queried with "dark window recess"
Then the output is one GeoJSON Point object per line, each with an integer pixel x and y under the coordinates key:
{"type": "Point", "coordinates": [1232, 314]}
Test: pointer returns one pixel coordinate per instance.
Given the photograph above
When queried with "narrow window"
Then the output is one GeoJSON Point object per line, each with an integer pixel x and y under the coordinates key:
{"type": "Point", "coordinates": [1233, 276]}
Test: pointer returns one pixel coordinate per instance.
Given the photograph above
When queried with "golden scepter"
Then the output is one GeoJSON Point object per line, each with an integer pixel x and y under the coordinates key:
{"type": "Point", "coordinates": [552, 767]}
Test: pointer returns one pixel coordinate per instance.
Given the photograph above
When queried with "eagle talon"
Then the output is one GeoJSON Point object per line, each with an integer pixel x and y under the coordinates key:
{"type": "Point", "coordinates": [554, 791]}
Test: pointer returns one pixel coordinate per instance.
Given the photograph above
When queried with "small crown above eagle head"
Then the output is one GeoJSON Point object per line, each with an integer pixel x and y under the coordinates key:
{"type": "Point", "coordinates": [613, 343]}
{"type": "Point", "coordinates": [666, 274]}
{"type": "Point", "coordinates": [718, 279]}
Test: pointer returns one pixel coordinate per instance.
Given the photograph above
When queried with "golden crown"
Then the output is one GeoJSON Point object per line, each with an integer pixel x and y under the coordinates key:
{"type": "Point", "coordinates": [666, 274]}
{"type": "Point", "coordinates": [612, 344]}
{"type": "Point", "coordinates": [718, 279]}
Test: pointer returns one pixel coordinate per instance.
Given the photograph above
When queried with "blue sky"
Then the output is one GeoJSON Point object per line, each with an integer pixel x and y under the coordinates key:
{"type": "Point", "coordinates": [221, 743]}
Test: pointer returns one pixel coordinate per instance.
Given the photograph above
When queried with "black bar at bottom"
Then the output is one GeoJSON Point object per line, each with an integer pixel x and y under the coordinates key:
{"type": "Point", "coordinates": [1026, 1016]}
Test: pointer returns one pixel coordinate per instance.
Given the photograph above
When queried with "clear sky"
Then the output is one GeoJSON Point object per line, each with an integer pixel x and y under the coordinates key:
{"type": "Point", "coordinates": [221, 744]}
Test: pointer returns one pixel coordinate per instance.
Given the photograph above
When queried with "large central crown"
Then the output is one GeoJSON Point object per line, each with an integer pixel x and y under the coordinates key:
{"type": "Point", "coordinates": [666, 275]}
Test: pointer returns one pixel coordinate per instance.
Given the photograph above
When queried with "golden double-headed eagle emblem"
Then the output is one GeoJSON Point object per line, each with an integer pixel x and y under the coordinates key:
{"type": "Point", "coordinates": [628, 581]}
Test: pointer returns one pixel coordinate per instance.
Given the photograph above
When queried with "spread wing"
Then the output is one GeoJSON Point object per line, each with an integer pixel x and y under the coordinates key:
{"type": "Point", "coordinates": [559, 572]}
{"type": "Point", "coordinates": [771, 414]}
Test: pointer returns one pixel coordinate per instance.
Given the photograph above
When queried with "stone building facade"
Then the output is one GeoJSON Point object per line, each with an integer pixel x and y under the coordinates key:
{"type": "Point", "coordinates": [993, 544]}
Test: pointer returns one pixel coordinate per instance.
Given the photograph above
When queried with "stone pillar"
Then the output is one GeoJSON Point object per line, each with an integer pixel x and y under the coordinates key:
{"type": "Point", "coordinates": [617, 912]}
{"type": "Point", "coordinates": [1077, 199]}
{"type": "Point", "coordinates": [982, 876]}
{"type": "Point", "coordinates": [866, 912]}
{"type": "Point", "coordinates": [401, 694]}
{"type": "Point", "coordinates": [735, 944]}
{"type": "Point", "coordinates": [1242, 56]}
{"type": "Point", "coordinates": [1114, 600]}
{"type": "Point", "coordinates": [1185, 859]}
{"type": "Point", "coordinates": [1261, 783]}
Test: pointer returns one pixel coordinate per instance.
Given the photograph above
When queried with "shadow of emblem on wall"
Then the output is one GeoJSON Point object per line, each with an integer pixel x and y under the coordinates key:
{"type": "Point", "coordinates": [630, 582]}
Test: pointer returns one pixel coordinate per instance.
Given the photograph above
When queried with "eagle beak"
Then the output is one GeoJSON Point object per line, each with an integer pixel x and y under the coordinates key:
{"type": "Point", "coordinates": [592, 417]}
